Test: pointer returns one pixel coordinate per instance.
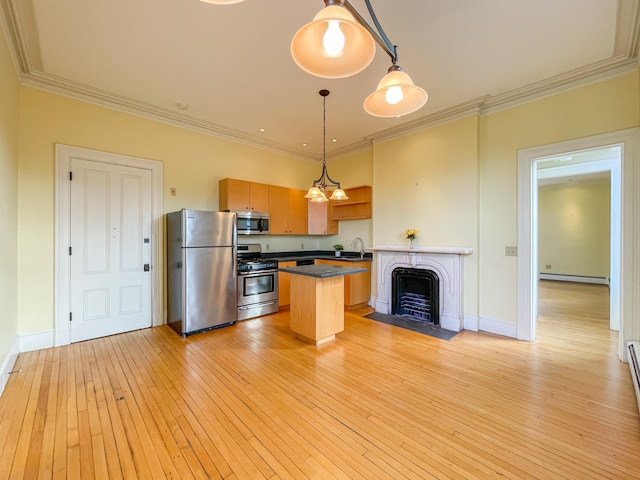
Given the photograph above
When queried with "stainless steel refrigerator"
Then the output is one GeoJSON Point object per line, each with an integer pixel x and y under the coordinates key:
{"type": "Point", "coordinates": [201, 270]}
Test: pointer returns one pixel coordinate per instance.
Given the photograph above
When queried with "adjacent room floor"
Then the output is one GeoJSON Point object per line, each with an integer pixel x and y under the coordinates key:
{"type": "Point", "coordinates": [251, 401]}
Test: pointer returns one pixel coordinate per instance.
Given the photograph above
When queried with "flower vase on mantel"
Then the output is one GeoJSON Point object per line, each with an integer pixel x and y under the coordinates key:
{"type": "Point", "coordinates": [411, 234]}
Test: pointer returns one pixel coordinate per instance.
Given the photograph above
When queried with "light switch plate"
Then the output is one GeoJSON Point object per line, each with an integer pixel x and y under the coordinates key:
{"type": "Point", "coordinates": [511, 251]}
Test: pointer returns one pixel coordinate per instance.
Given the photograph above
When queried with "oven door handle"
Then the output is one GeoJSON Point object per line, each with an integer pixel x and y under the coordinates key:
{"type": "Point", "coordinates": [255, 305]}
{"type": "Point", "coordinates": [257, 273]}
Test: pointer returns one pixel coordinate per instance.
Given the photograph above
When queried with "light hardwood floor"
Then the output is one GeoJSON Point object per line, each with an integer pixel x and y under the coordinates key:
{"type": "Point", "coordinates": [251, 401]}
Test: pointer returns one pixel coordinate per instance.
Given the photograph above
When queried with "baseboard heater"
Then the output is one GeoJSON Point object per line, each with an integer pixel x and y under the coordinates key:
{"type": "Point", "coordinates": [561, 277]}
{"type": "Point", "coordinates": [634, 366]}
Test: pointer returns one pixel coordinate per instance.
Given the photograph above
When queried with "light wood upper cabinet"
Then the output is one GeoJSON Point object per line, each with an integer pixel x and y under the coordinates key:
{"type": "Point", "coordinates": [243, 195]}
{"type": "Point", "coordinates": [319, 221]}
{"type": "Point", "coordinates": [297, 212]}
{"type": "Point", "coordinates": [358, 205]}
{"type": "Point", "coordinates": [357, 287]}
{"type": "Point", "coordinates": [288, 211]}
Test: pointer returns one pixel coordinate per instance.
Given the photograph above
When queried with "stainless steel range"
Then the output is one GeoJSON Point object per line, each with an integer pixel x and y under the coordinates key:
{"type": "Point", "coordinates": [257, 283]}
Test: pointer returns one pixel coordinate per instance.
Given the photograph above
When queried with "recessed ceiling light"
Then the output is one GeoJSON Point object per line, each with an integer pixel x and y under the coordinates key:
{"type": "Point", "coordinates": [334, 140]}
{"type": "Point", "coordinates": [261, 130]}
{"type": "Point", "coordinates": [305, 144]}
{"type": "Point", "coordinates": [182, 106]}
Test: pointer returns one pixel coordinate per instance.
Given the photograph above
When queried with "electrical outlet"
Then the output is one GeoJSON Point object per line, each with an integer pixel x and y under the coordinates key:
{"type": "Point", "coordinates": [511, 251]}
{"type": "Point", "coordinates": [172, 191]}
{"type": "Point", "coordinates": [548, 267]}
{"type": "Point", "coordinates": [302, 246]}
{"type": "Point", "coordinates": [267, 245]}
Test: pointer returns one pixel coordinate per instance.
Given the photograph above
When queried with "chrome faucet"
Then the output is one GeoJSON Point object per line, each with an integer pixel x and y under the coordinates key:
{"type": "Point", "coordinates": [355, 242]}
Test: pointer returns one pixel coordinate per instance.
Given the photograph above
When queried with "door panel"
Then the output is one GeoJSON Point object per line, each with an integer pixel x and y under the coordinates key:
{"type": "Point", "coordinates": [111, 224]}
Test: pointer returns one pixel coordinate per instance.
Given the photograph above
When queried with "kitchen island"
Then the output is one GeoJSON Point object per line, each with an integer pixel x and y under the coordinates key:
{"type": "Point", "coordinates": [317, 301]}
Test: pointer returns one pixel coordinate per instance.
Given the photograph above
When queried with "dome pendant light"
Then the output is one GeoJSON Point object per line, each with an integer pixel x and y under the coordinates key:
{"type": "Point", "coordinates": [396, 95]}
{"type": "Point", "coordinates": [333, 45]}
{"type": "Point", "coordinates": [339, 42]}
{"type": "Point", "coordinates": [317, 192]}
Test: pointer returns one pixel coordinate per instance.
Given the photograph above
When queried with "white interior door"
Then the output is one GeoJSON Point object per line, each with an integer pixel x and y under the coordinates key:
{"type": "Point", "coordinates": [110, 233]}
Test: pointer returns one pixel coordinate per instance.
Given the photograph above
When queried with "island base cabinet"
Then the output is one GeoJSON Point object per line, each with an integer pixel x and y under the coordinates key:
{"type": "Point", "coordinates": [357, 288]}
{"type": "Point", "coordinates": [284, 285]}
{"type": "Point", "coordinates": [318, 313]}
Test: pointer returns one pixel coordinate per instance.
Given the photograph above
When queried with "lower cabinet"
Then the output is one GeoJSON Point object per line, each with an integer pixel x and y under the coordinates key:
{"type": "Point", "coordinates": [284, 285]}
{"type": "Point", "coordinates": [357, 287]}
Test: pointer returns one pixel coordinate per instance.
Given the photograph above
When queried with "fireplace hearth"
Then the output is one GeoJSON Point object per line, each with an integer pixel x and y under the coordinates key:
{"type": "Point", "coordinates": [415, 295]}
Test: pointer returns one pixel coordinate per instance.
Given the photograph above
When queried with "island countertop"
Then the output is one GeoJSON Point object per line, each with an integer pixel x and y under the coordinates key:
{"type": "Point", "coordinates": [322, 271]}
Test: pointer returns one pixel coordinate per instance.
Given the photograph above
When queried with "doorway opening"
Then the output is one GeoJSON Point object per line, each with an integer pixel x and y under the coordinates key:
{"type": "Point", "coordinates": [622, 175]}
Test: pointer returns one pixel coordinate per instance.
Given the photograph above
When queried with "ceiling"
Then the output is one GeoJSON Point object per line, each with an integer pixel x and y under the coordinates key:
{"type": "Point", "coordinates": [227, 70]}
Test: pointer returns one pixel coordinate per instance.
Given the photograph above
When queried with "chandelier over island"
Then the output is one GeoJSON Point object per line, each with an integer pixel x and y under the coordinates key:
{"type": "Point", "coordinates": [317, 192]}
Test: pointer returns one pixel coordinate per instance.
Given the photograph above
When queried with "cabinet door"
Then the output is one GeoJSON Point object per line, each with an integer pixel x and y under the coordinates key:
{"type": "Point", "coordinates": [234, 194]}
{"type": "Point", "coordinates": [259, 197]}
{"type": "Point", "coordinates": [284, 284]}
{"type": "Point", "coordinates": [319, 223]}
{"type": "Point", "coordinates": [359, 285]}
{"type": "Point", "coordinates": [278, 209]}
{"type": "Point", "coordinates": [297, 212]}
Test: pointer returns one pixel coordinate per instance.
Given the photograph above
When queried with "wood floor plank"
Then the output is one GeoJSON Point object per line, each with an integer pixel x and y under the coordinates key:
{"type": "Point", "coordinates": [251, 401]}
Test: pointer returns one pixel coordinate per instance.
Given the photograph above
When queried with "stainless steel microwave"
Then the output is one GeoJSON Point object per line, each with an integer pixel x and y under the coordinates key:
{"type": "Point", "coordinates": [252, 223]}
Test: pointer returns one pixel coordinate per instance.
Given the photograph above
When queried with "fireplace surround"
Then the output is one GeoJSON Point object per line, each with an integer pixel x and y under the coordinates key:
{"type": "Point", "coordinates": [445, 262]}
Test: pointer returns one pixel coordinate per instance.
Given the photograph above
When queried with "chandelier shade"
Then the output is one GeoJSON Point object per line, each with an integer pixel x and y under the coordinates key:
{"type": "Point", "coordinates": [333, 45]}
{"type": "Point", "coordinates": [395, 96]}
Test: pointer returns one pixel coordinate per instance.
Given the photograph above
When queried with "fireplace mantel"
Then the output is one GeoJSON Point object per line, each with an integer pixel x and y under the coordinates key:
{"type": "Point", "coordinates": [421, 249]}
{"type": "Point", "coordinates": [446, 262]}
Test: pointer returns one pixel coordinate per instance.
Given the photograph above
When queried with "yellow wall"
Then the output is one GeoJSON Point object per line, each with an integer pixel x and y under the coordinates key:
{"type": "Point", "coordinates": [193, 164]}
{"type": "Point", "coordinates": [602, 107]}
{"type": "Point", "coordinates": [456, 182]}
{"type": "Point", "coordinates": [429, 181]}
{"type": "Point", "coordinates": [9, 89]}
{"type": "Point", "coordinates": [574, 229]}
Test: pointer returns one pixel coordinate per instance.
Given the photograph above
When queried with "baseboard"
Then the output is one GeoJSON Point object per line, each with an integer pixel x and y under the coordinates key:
{"type": "Point", "coordinates": [7, 364]}
{"type": "Point", "coordinates": [498, 327]}
{"type": "Point", "coordinates": [36, 340]}
{"type": "Point", "coordinates": [471, 323]}
{"type": "Point", "coordinates": [558, 277]}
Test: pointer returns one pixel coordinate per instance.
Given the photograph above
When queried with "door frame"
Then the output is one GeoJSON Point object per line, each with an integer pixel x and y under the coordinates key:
{"type": "Point", "coordinates": [629, 258]}
{"type": "Point", "coordinates": [62, 265]}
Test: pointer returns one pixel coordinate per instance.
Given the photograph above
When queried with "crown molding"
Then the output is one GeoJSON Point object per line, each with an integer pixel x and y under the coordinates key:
{"type": "Point", "coordinates": [22, 39]}
{"type": "Point", "coordinates": [609, 68]}
{"type": "Point", "coordinates": [466, 109]}
{"type": "Point", "coordinates": [78, 91]}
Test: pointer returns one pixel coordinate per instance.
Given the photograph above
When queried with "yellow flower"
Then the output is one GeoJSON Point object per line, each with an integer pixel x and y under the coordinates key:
{"type": "Point", "coordinates": [411, 234]}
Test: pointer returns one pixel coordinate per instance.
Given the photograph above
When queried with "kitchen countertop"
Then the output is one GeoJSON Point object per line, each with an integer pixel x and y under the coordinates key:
{"type": "Point", "coordinates": [318, 254]}
{"type": "Point", "coordinates": [322, 271]}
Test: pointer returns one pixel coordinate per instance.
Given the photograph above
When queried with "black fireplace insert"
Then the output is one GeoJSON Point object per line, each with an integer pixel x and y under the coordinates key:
{"type": "Point", "coordinates": [415, 294]}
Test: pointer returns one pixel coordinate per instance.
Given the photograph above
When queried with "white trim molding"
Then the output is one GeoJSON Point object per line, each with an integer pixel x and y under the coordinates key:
{"type": "Point", "coordinates": [35, 341]}
{"type": "Point", "coordinates": [8, 363]}
{"type": "Point", "coordinates": [64, 154]}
